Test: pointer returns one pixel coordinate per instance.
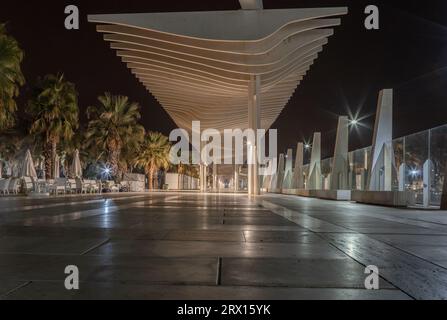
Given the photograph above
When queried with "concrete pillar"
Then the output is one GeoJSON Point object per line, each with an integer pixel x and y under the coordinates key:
{"type": "Point", "coordinates": [382, 155]}
{"type": "Point", "coordinates": [427, 176]}
{"type": "Point", "coordinates": [366, 160]}
{"type": "Point", "coordinates": [203, 178]}
{"type": "Point", "coordinates": [205, 181]}
{"type": "Point", "coordinates": [274, 177]}
{"type": "Point", "coordinates": [203, 166]}
{"type": "Point", "coordinates": [298, 179]}
{"type": "Point", "coordinates": [352, 174]}
{"type": "Point", "coordinates": [314, 181]}
{"type": "Point", "coordinates": [280, 175]}
{"type": "Point", "coordinates": [200, 177]}
{"type": "Point", "coordinates": [339, 175]}
{"type": "Point", "coordinates": [215, 181]}
{"type": "Point", "coordinates": [363, 180]}
{"type": "Point", "coordinates": [256, 184]}
{"type": "Point", "coordinates": [236, 178]}
{"type": "Point", "coordinates": [250, 172]}
{"type": "Point", "coordinates": [267, 179]}
{"type": "Point", "coordinates": [289, 160]}
{"type": "Point", "coordinates": [364, 172]}
{"type": "Point", "coordinates": [253, 174]}
{"type": "Point", "coordinates": [288, 174]}
{"type": "Point", "coordinates": [328, 182]}
{"type": "Point", "coordinates": [254, 123]}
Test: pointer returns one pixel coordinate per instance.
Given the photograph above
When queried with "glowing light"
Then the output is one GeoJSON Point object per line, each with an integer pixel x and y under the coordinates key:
{"type": "Point", "coordinates": [307, 146]}
{"type": "Point", "coordinates": [414, 172]}
{"type": "Point", "coordinates": [354, 122]}
{"type": "Point", "coordinates": [106, 172]}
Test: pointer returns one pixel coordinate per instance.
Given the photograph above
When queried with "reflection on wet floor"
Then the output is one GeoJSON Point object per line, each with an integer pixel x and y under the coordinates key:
{"type": "Point", "coordinates": [167, 246]}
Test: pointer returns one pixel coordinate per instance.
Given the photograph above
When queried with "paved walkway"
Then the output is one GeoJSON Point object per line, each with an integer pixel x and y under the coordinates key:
{"type": "Point", "coordinates": [192, 246]}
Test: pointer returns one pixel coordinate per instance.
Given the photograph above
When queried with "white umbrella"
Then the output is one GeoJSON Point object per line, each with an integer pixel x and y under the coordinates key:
{"type": "Point", "coordinates": [10, 168]}
{"type": "Point", "coordinates": [76, 168]}
{"type": "Point", "coordinates": [27, 168]}
{"type": "Point", "coordinates": [56, 169]}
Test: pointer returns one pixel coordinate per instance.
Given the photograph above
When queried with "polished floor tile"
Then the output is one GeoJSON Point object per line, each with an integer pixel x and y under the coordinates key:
{"type": "Point", "coordinates": [192, 246]}
{"type": "Point", "coordinates": [216, 249]}
{"type": "Point", "coordinates": [120, 291]}
{"type": "Point", "coordinates": [303, 273]}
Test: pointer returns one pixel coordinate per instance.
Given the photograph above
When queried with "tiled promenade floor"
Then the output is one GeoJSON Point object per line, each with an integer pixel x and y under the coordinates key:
{"type": "Point", "coordinates": [191, 246]}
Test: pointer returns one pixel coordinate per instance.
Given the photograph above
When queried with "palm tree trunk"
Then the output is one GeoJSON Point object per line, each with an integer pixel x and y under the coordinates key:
{"type": "Point", "coordinates": [151, 179]}
{"type": "Point", "coordinates": [53, 156]}
{"type": "Point", "coordinates": [114, 156]}
{"type": "Point", "coordinates": [67, 169]}
{"type": "Point", "coordinates": [48, 160]}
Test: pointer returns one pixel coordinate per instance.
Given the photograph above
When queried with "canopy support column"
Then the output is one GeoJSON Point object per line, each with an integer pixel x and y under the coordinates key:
{"type": "Point", "coordinates": [254, 123]}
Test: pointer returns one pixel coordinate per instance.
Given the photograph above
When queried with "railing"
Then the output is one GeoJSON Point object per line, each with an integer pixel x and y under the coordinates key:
{"type": "Point", "coordinates": [413, 151]}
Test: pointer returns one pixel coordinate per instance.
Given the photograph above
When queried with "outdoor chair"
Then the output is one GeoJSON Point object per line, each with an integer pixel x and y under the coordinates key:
{"type": "Point", "coordinates": [59, 185]}
{"type": "Point", "coordinates": [14, 186]}
{"type": "Point", "coordinates": [93, 186]}
{"type": "Point", "coordinates": [42, 185]}
{"type": "Point", "coordinates": [72, 186]}
{"type": "Point", "coordinates": [4, 184]}
{"type": "Point", "coordinates": [28, 185]}
{"type": "Point", "coordinates": [114, 187]}
{"type": "Point", "coordinates": [82, 186]}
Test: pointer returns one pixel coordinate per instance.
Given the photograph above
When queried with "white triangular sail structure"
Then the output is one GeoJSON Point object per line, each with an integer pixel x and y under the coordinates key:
{"type": "Point", "coordinates": [27, 168]}
{"type": "Point", "coordinates": [340, 164]}
{"type": "Point", "coordinates": [314, 181]}
{"type": "Point", "coordinates": [288, 174]}
{"type": "Point", "coordinates": [278, 179]}
{"type": "Point", "coordinates": [382, 164]}
{"type": "Point", "coordinates": [298, 178]}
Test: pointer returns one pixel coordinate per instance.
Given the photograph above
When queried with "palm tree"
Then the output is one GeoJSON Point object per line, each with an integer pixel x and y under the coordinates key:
{"type": "Point", "coordinates": [181, 170]}
{"type": "Point", "coordinates": [129, 154]}
{"type": "Point", "coordinates": [154, 155]}
{"type": "Point", "coordinates": [66, 151]}
{"type": "Point", "coordinates": [113, 128]}
{"type": "Point", "coordinates": [55, 113]}
{"type": "Point", "coordinates": [14, 142]}
{"type": "Point", "coordinates": [10, 144]}
{"type": "Point", "coordinates": [11, 78]}
{"type": "Point", "coordinates": [192, 171]}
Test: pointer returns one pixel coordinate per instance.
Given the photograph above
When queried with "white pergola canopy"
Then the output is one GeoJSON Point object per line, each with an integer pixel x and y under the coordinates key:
{"type": "Point", "coordinates": [199, 65]}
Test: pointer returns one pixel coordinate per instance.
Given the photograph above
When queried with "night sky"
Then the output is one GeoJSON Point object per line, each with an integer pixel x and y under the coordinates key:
{"type": "Point", "coordinates": [408, 53]}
